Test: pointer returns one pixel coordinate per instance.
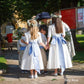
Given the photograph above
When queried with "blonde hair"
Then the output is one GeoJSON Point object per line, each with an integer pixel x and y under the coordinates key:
{"type": "Point", "coordinates": [34, 30]}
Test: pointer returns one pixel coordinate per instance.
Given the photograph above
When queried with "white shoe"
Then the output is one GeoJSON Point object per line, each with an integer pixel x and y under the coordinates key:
{"type": "Point", "coordinates": [31, 76]}
{"type": "Point", "coordinates": [36, 76]}
{"type": "Point", "coordinates": [54, 74]}
{"type": "Point", "coordinates": [61, 73]}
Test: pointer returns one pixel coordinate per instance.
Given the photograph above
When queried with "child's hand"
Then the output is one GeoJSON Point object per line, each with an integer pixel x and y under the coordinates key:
{"type": "Point", "coordinates": [46, 47]}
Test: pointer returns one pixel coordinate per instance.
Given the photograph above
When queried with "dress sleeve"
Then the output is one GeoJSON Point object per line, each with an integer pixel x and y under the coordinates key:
{"type": "Point", "coordinates": [49, 31]}
{"type": "Point", "coordinates": [26, 37]}
{"type": "Point", "coordinates": [66, 26]}
{"type": "Point", "coordinates": [18, 45]}
{"type": "Point", "coordinates": [63, 31]}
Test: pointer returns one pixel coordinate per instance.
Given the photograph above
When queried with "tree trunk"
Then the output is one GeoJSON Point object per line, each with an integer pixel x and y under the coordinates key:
{"type": "Point", "coordinates": [0, 40]}
{"type": "Point", "coordinates": [76, 44]}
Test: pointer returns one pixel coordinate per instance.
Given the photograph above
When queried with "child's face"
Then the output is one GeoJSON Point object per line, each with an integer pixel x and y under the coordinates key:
{"type": "Point", "coordinates": [44, 20]}
{"type": "Point", "coordinates": [43, 31]}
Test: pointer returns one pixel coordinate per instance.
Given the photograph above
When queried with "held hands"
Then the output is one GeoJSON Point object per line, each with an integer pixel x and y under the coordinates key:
{"type": "Point", "coordinates": [46, 47]}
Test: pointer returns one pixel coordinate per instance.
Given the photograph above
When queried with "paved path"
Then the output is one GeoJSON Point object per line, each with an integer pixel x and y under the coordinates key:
{"type": "Point", "coordinates": [74, 75]}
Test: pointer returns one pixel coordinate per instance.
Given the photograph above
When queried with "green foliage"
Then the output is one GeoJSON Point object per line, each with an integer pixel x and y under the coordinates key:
{"type": "Point", "coordinates": [27, 8]}
{"type": "Point", "coordinates": [79, 57]}
{"type": "Point", "coordinates": [53, 79]}
{"type": "Point", "coordinates": [3, 63]}
{"type": "Point", "coordinates": [80, 39]}
{"type": "Point", "coordinates": [6, 10]}
{"type": "Point", "coordinates": [17, 33]}
{"type": "Point", "coordinates": [67, 37]}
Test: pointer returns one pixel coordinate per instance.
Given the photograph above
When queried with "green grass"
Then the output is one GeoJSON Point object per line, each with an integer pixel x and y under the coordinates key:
{"type": "Point", "coordinates": [3, 62]}
{"type": "Point", "coordinates": [80, 54]}
{"type": "Point", "coordinates": [53, 79]}
{"type": "Point", "coordinates": [79, 57]}
{"type": "Point", "coordinates": [80, 39]}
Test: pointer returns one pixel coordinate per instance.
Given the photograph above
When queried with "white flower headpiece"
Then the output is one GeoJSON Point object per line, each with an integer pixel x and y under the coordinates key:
{"type": "Point", "coordinates": [56, 16]}
{"type": "Point", "coordinates": [32, 22]}
{"type": "Point", "coordinates": [34, 17]}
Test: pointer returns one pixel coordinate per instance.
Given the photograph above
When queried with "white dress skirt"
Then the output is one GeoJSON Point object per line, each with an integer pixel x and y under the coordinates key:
{"type": "Point", "coordinates": [55, 60]}
{"type": "Point", "coordinates": [28, 60]}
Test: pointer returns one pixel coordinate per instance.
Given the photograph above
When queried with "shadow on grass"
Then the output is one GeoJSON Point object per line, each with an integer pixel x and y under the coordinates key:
{"type": "Point", "coordinates": [79, 57]}
{"type": "Point", "coordinates": [3, 66]}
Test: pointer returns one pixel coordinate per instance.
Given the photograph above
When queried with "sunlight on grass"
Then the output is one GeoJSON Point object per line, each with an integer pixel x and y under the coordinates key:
{"type": "Point", "coordinates": [3, 63]}
{"type": "Point", "coordinates": [79, 54]}
{"type": "Point", "coordinates": [2, 60]}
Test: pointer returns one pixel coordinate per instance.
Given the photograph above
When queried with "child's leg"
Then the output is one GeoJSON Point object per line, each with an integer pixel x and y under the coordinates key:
{"type": "Point", "coordinates": [62, 71]}
{"type": "Point", "coordinates": [31, 76]}
{"type": "Point", "coordinates": [36, 74]}
{"type": "Point", "coordinates": [55, 71]}
{"type": "Point", "coordinates": [31, 71]}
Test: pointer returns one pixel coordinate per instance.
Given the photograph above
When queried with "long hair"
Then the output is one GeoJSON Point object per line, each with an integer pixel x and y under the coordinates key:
{"type": "Point", "coordinates": [33, 29]}
{"type": "Point", "coordinates": [58, 24]}
{"type": "Point", "coordinates": [34, 32]}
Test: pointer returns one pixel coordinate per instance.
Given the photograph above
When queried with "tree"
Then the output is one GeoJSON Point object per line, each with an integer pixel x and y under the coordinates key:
{"type": "Point", "coordinates": [27, 8]}
{"type": "Point", "coordinates": [6, 12]}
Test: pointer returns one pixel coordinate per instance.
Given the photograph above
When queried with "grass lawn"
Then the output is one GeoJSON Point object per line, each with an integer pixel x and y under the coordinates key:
{"type": "Point", "coordinates": [80, 39]}
{"type": "Point", "coordinates": [3, 63]}
{"type": "Point", "coordinates": [79, 54]}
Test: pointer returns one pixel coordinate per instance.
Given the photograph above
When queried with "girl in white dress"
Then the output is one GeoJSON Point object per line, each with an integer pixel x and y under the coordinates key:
{"type": "Point", "coordinates": [70, 43]}
{"type": "Point", "coordinates": [32, 59]}
{"type": "Point", "coordinates": [59, 56]}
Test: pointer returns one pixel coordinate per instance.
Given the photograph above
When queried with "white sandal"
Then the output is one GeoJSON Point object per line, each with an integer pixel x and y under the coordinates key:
{"type": "Point", "coordinates": [31, 76]}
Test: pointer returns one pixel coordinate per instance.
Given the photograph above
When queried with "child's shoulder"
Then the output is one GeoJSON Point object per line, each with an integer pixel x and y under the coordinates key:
{"type": "Point", "coordinates": [39, 33]}
{"type": "Point", "coordinates": [22, 37]}
{"type": "Point", "coordinates": [51, 26]}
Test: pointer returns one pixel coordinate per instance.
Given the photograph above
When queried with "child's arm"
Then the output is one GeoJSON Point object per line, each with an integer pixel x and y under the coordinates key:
{"type": "Point", "coordinates": [18, 46]}
{"type": "Point", "coordinates": [24, 41]}
{"type": "Point", "coordinates": [48, 40]}
{"type": "Point", "coordinates": [49, 35]}
{"type": "Point", "coordinates": [42, 44]}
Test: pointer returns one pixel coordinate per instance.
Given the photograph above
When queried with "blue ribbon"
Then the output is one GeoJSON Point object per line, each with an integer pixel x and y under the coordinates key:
{"type": "Point", "coordinates": [60, 40]}
{"type": "Point", "coordinates": [41, 47]}
{"type": "Point", "coordinates": [22, 48]}
{"type": "Point", "coordinates": [34, 51]}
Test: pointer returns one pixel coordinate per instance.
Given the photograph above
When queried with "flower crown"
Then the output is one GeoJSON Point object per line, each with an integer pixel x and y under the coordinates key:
{"type": "Point", "coordinates": [56, 16]}
{"type": "Point", "coordinates": [32, 23]}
